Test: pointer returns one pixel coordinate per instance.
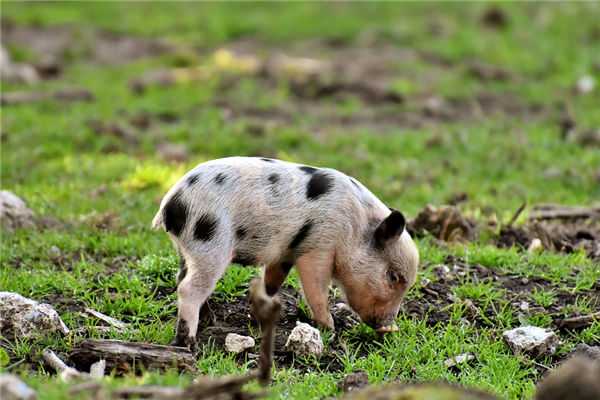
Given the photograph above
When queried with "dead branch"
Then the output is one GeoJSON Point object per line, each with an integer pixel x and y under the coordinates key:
{"type": "Point", "coordinates": [67, 94]}
{"type": "Point", "coordinates": [122, 355]}
{"type": "Point", "coordinates": [580, 322]}
{"type": "Point", "coordinates": [516, 215]}
{"type": "Point", "coordinates": [65, 372]}
{"type": "Point", "coordinates": [118, 325]}
{"type": "Point", "coordinates": [554, 211]}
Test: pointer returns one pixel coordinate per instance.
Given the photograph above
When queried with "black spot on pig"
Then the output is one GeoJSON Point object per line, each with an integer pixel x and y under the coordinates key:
{"type": "Point", "coordinates": [182, 271]}
{"type": "Point", "coordinates": [205, 228]}
{"type": "Point", "coordinates": [193, 179]}
{"type": "Point", "coordinates": [240, 233]}
{"type": "Point", "coordinates": [301, 235]}
{"type": "Point", "coordinates": [286, 267]}
{"type": "Point", "coordinates": [219, 179]}
{"type": "Point", "coordinates": [273, 178]}
{"type": "Point", "coordinates": [175, 214]}
{"type": "Point", "coordinates": [319, 184]}
{"type": "Point", "coordinates": [244, 259]}
{"type": "Point", "coordinates": [267, 160]}
{"type": "Point", "coordinates": [355, 183]}
{"type": "Point", "coordinates": [308, 170]}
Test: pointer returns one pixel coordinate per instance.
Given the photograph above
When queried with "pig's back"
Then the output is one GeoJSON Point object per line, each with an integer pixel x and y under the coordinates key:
{"type": "Point", "coordinates": [269, 209]}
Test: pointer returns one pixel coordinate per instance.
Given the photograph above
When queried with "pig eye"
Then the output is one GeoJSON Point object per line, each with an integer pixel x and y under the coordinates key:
{"type": "Point", "coordinates": [394, 276]}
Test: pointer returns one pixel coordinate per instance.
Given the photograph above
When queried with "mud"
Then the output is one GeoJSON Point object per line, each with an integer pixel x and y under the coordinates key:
{"type": "Point", "coordinates": [559, 228]}
{"type": "Point", "coordinates": [60, 43]}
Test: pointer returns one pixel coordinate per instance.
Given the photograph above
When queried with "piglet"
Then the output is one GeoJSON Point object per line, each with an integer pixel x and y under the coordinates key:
{"type": "Point", "coordinates": [277, 214]}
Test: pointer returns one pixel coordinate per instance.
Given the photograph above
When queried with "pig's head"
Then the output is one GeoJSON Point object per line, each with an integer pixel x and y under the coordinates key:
{"type": "Point", "coordinates": [380, 274]}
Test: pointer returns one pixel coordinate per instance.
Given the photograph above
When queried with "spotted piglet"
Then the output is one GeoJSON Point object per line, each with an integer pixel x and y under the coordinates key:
{"type": "Point", "coordinates": [276, 214]}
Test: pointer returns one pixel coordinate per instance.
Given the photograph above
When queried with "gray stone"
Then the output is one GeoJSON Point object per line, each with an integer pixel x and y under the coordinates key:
{"type": "Point", "coordinates": [14, 214]}
{"type": "Point", "coordinates": [235, 343]}
{"type": "Point", "coordinates": [16, 72]}
{"type": "Point", "coordinates": [305, 340]}
{"type": "Point", "coordinates": [534, 341]}
{"type": "Point", "coordinates": [22, 317]}
{"type": "Point", "coordinates": [12, 388]}
{"type": "Point", "coordinates": [585, 84]}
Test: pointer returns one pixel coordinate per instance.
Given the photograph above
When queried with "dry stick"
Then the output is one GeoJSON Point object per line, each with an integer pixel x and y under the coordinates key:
{"type": "Point", "coordinates": [66, 94]}
{"type": "Point", "coordinates": [516, 215]}
{"type": "Point", "coordinates": [59, 365]}
{"type": "Point", "coordinates": [119, 353]}
{"type": "Point", "coordinates": [118, 325]}
{"type": "Point", "coordinates": [584, 320]}
{"type": "Point", "coordinates": [551, 211]}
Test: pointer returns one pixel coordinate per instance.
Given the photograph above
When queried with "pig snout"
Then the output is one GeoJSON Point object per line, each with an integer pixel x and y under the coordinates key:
{"type": "Point", "coordinates": [381, 325]}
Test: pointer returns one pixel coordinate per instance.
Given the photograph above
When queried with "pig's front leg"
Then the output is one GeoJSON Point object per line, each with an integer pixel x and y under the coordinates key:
{"type": "Point", "coordinates": [315, 270]}
{"type": "Point", "coordinates": [275, 275]}
{"type": "Point", "coordinates": [193, 290]}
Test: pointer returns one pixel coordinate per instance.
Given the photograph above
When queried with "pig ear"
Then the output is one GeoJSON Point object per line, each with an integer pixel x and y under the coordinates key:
{"type": "Point", "coordinates": [390, 228]}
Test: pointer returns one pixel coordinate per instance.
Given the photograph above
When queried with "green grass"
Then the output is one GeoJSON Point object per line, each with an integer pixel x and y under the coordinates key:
{"type": "Point", "coordinates": [52, 158]}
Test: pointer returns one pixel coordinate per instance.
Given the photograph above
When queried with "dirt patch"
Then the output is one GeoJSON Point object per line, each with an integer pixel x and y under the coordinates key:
{"type": "Point", "coordinates": [322, 77]}
{"type": "Point", "coordinates": [437, 296]}
{"type": "Point", "coordinates": [235, 317]}
{"type": "Point", "coordinates": [565, 229]}
{"type": "Point", "coordinates": [61, 42]}
{"type": "Point", "coordinates": [550, 227]}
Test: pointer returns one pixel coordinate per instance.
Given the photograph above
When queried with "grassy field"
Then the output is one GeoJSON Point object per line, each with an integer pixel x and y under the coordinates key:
{"type": "Point", "coordinates": [504, 84]}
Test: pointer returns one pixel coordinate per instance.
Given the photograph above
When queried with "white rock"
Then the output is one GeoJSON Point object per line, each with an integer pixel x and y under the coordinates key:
{"type": "Point", "coordinates": [459, 359]}
{"type": "Point", "coordinates": [535, 246]}
{"type": "Point", "coordinates": [305, 340]}
{"type": "Point", "coordinates": [16, 72]}
{"type": "Point", "coordinates": [23, 317]}
{"type": "Point", "coordinates": [14, 213]}
{"type": "Point", "coordinates": [235, 343]}
{"type": "Point", "coordinates": [532, 340]}
{"type": "Point", "coordinates": [97, 370]}
{"type": "Point", "coordinates": [585, 84]}
{"type": "Point", "coordinates": [12, 388]}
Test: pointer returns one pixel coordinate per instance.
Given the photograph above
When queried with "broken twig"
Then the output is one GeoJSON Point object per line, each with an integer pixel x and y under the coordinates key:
{"type": "Point", "coordinates": [66, 373]}
{"type": "Point", "coordinates": [516, 215]}
{"type": "Point", "coordinates": [67, 94]}
{"type": "Point", "coordinates": [580, 322]}
{"type": "Point", "coordinates": [118, 325]}
{"type": "Point", "coordinates": [553, 211]}
{"type": "Point", "coordinates": [123, 355]}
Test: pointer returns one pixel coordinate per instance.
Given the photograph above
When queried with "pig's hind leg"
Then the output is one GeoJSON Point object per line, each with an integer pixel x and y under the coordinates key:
{"type": "Point", "coordinates": [195, 286]}
{"type": "Point", "coordinates": [315, 270]}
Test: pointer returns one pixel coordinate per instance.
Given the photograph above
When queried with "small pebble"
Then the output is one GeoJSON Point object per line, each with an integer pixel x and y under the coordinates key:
{"type": "Point", "coordinates": [304, 340]}
{"type": "Point", "coordinates": [235, 343]}
{"type": "Point", "coordinates": [532, 340]}
{"type": "Point", "coordinates": [459, 359]}
{"type": "Point", "coordinates": [585, 84]}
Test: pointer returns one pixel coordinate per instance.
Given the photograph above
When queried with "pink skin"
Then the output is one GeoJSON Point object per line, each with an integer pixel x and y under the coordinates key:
{"type": "Point", "coordinates": [375, 299]}
{"type": "Point", "coordinates": [315, 270]}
